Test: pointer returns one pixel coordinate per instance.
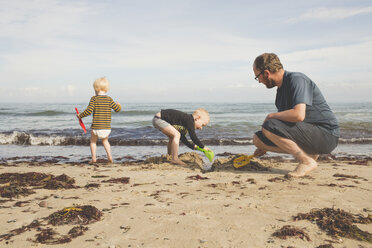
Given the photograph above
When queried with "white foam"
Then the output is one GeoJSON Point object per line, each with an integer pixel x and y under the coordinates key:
{"type": "Point", "coordinates": [22, 138]}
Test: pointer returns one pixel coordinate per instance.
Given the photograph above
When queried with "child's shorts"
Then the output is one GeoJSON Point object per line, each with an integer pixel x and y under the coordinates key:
{"type": "Point", "coordinates": [158, 123]}
{"type": "Point", "coordinates": [101, 133]}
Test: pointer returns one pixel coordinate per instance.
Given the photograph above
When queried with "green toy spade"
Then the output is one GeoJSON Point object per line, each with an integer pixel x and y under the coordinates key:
{"type": "Point", "coordinates": [209, 154]}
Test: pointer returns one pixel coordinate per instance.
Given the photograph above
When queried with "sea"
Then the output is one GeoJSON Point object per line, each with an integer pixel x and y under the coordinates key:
{"type": "Point", "coordinates": [45, 131]}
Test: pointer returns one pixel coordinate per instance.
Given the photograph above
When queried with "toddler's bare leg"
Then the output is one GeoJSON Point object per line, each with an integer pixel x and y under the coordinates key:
{"type": "Point", "coordinates": [93, 146]}
{"type": "Point", "coordinates": [107, 147]}
{"type": "Point", "coordinates": [169, 146]}
{"type": "Point", "coordinates": [174, 142]}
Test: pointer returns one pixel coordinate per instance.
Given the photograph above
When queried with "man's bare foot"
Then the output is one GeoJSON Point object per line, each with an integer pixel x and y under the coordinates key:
{"type": "Point", "coordinates": [177, 162]}
{"type": "Point", "coordinates": [303, 169]}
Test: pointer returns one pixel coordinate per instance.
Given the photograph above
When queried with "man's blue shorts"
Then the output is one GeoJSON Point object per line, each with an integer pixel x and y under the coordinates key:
{"type": "Point", "coordinates": [311, 138]}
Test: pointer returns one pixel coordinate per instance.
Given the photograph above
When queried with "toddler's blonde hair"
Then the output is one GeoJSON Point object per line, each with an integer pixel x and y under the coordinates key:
{"type": "Point", "coordinates": [202, 113]}
{"type": "Point", "coordinates": [101, 84]}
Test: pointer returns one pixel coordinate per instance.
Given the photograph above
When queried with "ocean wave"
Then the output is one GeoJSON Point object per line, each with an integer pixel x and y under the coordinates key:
{"type": "Point", "coordinates": [24, 138]}
{"type": "Point", "coordinates": [39, 113]}
{"type": "Point", "coordinates": [128, 139]}
{"type": "Point", "coordinates": [47, 113]}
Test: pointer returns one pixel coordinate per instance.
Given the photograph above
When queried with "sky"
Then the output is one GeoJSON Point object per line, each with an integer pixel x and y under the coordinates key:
{"type": "Point", "coordinates": [181, 51]}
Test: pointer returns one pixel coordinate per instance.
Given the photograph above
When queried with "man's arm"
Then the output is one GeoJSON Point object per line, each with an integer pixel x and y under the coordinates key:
{"type": "Point", "coordinates": [296, 114]}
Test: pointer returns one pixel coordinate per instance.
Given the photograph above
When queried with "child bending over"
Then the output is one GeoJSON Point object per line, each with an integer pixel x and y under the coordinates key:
{"type": "Point", "coordinates": [176, 124]}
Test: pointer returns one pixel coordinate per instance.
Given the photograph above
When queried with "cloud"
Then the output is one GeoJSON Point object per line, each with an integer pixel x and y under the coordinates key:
{"type": "Point", "coordinates": [326, 14]}
{"type": "Point", "coordinates": [71, 89]}
{"type": "Point", "coordinates": [335, 67]}
{"type": "Point", "coordinates": [38, 21]}
{"type": "Point", "coordinates": [53, 49]}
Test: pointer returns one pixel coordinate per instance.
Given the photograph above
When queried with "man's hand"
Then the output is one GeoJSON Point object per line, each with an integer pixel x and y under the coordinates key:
{"type": "Point", "coordinates": [296, 114]}
{"type": "Point", "coordinates": [259, 152]}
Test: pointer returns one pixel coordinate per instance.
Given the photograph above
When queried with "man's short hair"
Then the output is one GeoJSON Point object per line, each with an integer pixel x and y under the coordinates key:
{"type": "Point", "coordinates": [268, 61]}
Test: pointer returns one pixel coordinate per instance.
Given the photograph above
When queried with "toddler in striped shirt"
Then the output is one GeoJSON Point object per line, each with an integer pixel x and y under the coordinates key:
{"type": "Point", "coordinates": [100, 105]}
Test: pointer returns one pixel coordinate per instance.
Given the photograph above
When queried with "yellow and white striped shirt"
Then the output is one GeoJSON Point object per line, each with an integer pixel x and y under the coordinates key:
{"type": "Point", "coordinates": [101, 107]}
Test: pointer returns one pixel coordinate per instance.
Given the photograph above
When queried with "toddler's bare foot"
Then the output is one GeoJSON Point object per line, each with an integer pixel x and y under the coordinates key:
{"type": "Point", "coordinates": [177, 162]}
{"type": "Point", "coordinates": [303, 169]}
{"type": "Point", "coordinates": [92, 161]}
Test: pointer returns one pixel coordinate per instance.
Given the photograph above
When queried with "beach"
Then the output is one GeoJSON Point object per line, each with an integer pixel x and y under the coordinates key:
{"type": "Point", "coordinates": [151, 203]}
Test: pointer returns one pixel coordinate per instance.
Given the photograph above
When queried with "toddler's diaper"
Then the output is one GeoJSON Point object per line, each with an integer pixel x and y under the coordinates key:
{"type": "Point", "coordinates": [101, 133]}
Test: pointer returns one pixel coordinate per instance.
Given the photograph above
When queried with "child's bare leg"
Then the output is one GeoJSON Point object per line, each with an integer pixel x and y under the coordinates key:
{"type": "Point", "coordinates": [107, 147]}
{"type": "Point", "coordinates": [169, 146]}
{"type": "Point", "coordinates": [174, 142]}
{"type": "Point", "coordinates": [93, 146]}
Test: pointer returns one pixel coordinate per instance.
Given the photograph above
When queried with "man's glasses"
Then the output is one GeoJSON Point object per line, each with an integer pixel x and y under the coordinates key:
{"type": "Point", "coordinates": [256, 77]}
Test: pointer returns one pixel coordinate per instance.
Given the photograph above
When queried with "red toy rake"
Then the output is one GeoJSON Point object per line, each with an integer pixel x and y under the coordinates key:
{"type": "Point", "coordinates": [81, 122]}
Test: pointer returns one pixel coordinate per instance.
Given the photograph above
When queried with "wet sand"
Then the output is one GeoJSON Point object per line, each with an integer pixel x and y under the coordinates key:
{"type": "Point", "coordinates": [155, 204]}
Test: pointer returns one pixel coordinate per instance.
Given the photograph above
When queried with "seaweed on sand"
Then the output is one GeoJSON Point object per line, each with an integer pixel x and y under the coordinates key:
{"type": "Point", "coordinates": [344, 176]}
{"type": "Point", "coordinates": [291, 231]}
{"type": "Point", "coordinates": [82, 215]}
{"type": "Point", "coordinates": [123, 180]}
{"type": "Point", "coordinates": [17, 183]}
{"type": "Point", "coordinates": [49, 236]}
{"type": "Point", "coordinates": [197, 177]}
{"type": "Point", "coordinates": [37, 179]}
{"type": "Point", "coordinates": [14, 232]}
{"type": "Point", "coordinates": [337, 222]}
{"type": "Point", "coordinates": [14, 190]}
{"type": "Point", "coordinates": [77, 231]}
{"type": "Point", "coordinates": [92, 185]}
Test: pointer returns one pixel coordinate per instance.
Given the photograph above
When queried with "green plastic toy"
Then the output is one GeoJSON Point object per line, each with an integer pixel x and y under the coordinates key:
{"type": "Point", "coordinates": [208, 154]}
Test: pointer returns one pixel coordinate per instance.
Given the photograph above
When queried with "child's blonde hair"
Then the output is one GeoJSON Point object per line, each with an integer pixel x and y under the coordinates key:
{"type": "Point", "coordinates": [101, 84]}
{"type": "Point", "coordinates": [202, 113]}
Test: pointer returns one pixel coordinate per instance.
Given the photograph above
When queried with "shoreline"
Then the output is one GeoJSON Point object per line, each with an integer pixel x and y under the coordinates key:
{"type": "Point", "coordinates": [121, 154]}
{"type": "Point", "coordinates": [155, 204]}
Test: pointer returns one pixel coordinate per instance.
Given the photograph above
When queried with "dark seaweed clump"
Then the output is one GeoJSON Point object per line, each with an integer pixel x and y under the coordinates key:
{"type": "Point", "coordinates": [123, 180]}
{"type": "Point", "coordinates": [81, 215]}
{"type": "Point", "coordinates": [291, 231]}
{"type": "Point", "coordinates": [17, 183]}
{"type": "Point", "coordinates": [35, 224]}
{"type": "Point", "coordinates": [197, 177]}
{"type": "Point", "coordinates": [14, 190]}
{"type": "Point", "coordinates": [337, 222]}
{"type": "Point", "coordinates": [49, 236]}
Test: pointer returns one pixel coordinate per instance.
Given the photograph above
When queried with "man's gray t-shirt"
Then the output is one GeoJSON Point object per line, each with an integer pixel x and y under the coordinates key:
{"type": "Point", "coordinates": [298, 88]}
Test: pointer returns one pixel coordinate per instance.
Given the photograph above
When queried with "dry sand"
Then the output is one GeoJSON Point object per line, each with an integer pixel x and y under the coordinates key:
{"type": "Point", "coordinates": [164, 205]}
